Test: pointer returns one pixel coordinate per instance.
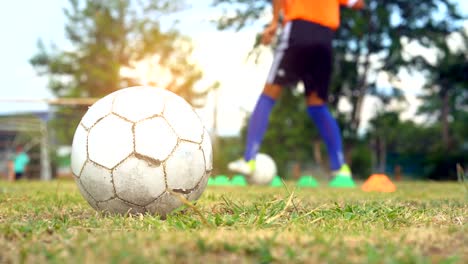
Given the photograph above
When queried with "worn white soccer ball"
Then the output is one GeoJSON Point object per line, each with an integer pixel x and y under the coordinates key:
{"type": "Point", "coordinates": [265, 170]}
{"type": "Point", "coordinates": [137, 149]}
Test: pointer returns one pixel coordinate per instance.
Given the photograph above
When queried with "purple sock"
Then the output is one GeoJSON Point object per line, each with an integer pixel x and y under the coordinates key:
{"type": "Point", "coordinates": [258, 124]}
{"type": "Point", "coordinates": [330, 133]}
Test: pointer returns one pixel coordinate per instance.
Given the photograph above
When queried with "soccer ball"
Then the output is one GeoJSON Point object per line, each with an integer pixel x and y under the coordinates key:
{"type": "Point", "coordinates": [138, 149]}
{"type": "Point", "coordinates": [265, 170]}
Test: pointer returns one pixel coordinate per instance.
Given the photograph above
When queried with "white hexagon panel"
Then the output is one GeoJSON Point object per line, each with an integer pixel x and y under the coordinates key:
{"type": "Point", "coordinates": [164, 205]}
{"type": "Point", "coordinates": [207, 151]}
{"type": "Point", "coordinates": [154, 138]}
{"type": "Point", "coordinates": [183, 119]}
{"type": "Point", "coordinates": [185, 167]}
{"type": "Point", "coordinates": [138, 103]}
{"type": "Point", "coordinates": [97, 111]}
{"type": "Point", "coordinates": [97, 181]}
{"type": "Point", "coordinates": [198, 191]}
{"type": "Point", "coordinates": [110, 141]}
{"type": "Point", "coordinates": [138, 181]}
{"type": "Point", "coordinates": [79, 153]}
{"type": "Point", "coordinates": [86, 195]}
{"type": "Point", "coordinates": [117, 206]}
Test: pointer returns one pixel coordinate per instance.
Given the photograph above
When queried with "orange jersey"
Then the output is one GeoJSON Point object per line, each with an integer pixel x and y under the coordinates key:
{"type": "Point", "coordinates": [323, 12]}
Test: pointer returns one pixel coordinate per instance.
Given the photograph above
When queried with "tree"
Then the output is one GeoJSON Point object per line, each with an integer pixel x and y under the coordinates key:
{"type": "Point", "coordinates": [446, 89]}
{"type": "Point", "coordinates": [108, 38]}
{"type": "Point", "coordinates": [370, 43]}
{"type": "Point", "coordinates": [403, 143]}
{"type": "Point", "coordinates": [384, 132]}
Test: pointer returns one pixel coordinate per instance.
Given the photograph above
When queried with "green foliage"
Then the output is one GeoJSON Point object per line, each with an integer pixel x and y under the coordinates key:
{"type": "Point", "coordinates": [446, 90]}
{"type": "Point", "coordinates": [292, 134]}
{"type": "Point", "coordinates": [361, 160]}
{"type": "Point", "coordinates": [245, 13]}
{"type": "Point", "coordinates": [378, 31]}
{"type": "Point", "coordinates": [417, 148]}
{"type": "Point", "coordinates": [440, 165]}
{"type": "Point", "coordinates": [107, 38]}
{"type": "Point", "coordinates": [226, 150]}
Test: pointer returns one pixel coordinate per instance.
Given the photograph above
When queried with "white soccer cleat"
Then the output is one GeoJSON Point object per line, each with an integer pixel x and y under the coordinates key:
{"type": "Point", "coordinates": [242, 166]}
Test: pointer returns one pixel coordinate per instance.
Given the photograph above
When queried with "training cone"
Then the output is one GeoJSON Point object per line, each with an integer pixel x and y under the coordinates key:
{"type": "Point", "coordinates": [276, 182]}
{"type": "Point", "coordinates": [222, 180]}
{"type": "Point", "coordinates": [238, 180]}
{"type": "Point", "coordinates": [307, 181]}
{"type": "Point", "coordinates": [211, 181]}
{"type": "Point", "coordinates": [378, 183]}
{"type": "Point", "coordinates": [342, 182]}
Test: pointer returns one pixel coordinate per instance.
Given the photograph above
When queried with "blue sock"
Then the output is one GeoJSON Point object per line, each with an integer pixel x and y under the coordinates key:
{"type": "Point", "coordinates": [258, 124]}
{"type": "Point", "coordinates": [330, 133]}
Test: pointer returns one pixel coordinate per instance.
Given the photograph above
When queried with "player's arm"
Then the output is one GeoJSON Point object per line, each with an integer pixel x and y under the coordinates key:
{"type": "Point", "coordinates": [270, 31]}
{"type": "Point", "coordinates": [277, 5]}
{"type": "Point", "coordinates": [354, 4]}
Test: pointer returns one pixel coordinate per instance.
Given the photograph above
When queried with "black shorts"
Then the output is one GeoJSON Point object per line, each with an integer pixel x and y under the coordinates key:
{"type": "Point", "coordinates": [19, 175]}
{"type": "Point", "coordinates": [304, 53]}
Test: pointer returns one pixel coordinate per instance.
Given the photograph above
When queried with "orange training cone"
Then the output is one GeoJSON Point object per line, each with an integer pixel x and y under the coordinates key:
{"type": "Point", "coordinates": [378, 183]}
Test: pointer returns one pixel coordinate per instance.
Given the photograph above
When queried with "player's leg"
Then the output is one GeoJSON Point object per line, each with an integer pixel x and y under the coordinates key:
{"type": "Point", "coordinates": [257, 128]}
{"type": "Point", "coordinates": [259, 120]}
{"type": "Point", "coordinates": [317, 83]}
{"type": "Point", "coordinates": [329, 131]}
{"type": "Point", "coordinates": [278, 76]}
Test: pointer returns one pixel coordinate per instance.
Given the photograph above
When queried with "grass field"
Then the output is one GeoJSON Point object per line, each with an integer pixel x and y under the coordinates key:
{"type": "Point", "coordinates": [420, 223]}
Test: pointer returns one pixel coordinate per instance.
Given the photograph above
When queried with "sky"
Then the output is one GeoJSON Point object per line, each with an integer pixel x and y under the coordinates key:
{"type": "Point", "coordinates": [241, 80]}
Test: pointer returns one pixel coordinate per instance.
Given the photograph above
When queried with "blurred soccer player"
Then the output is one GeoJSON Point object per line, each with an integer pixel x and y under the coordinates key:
{"type": "Point", "coordinates": [20, 163]}
{"type": "Point", "coordinates": [304, 53]}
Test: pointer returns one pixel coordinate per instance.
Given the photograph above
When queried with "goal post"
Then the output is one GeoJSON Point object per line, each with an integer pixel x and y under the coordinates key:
{"type": "Point", "coordinates": [36, 123]}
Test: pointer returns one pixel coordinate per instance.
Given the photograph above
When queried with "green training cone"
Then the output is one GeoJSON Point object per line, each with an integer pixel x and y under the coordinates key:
{"type": "Point", "coordinates": [211, 181]}
{"type": "Point", "coordinates": [222, 180]}
{"type": "Point", "coordinates": [307, 181]}
{"type": "Point", "coordinates": [342, 182]}
{"type": "Point", "coordinates": [238, 180]}
{"type": "Point", "coordinates": [276, 182]}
